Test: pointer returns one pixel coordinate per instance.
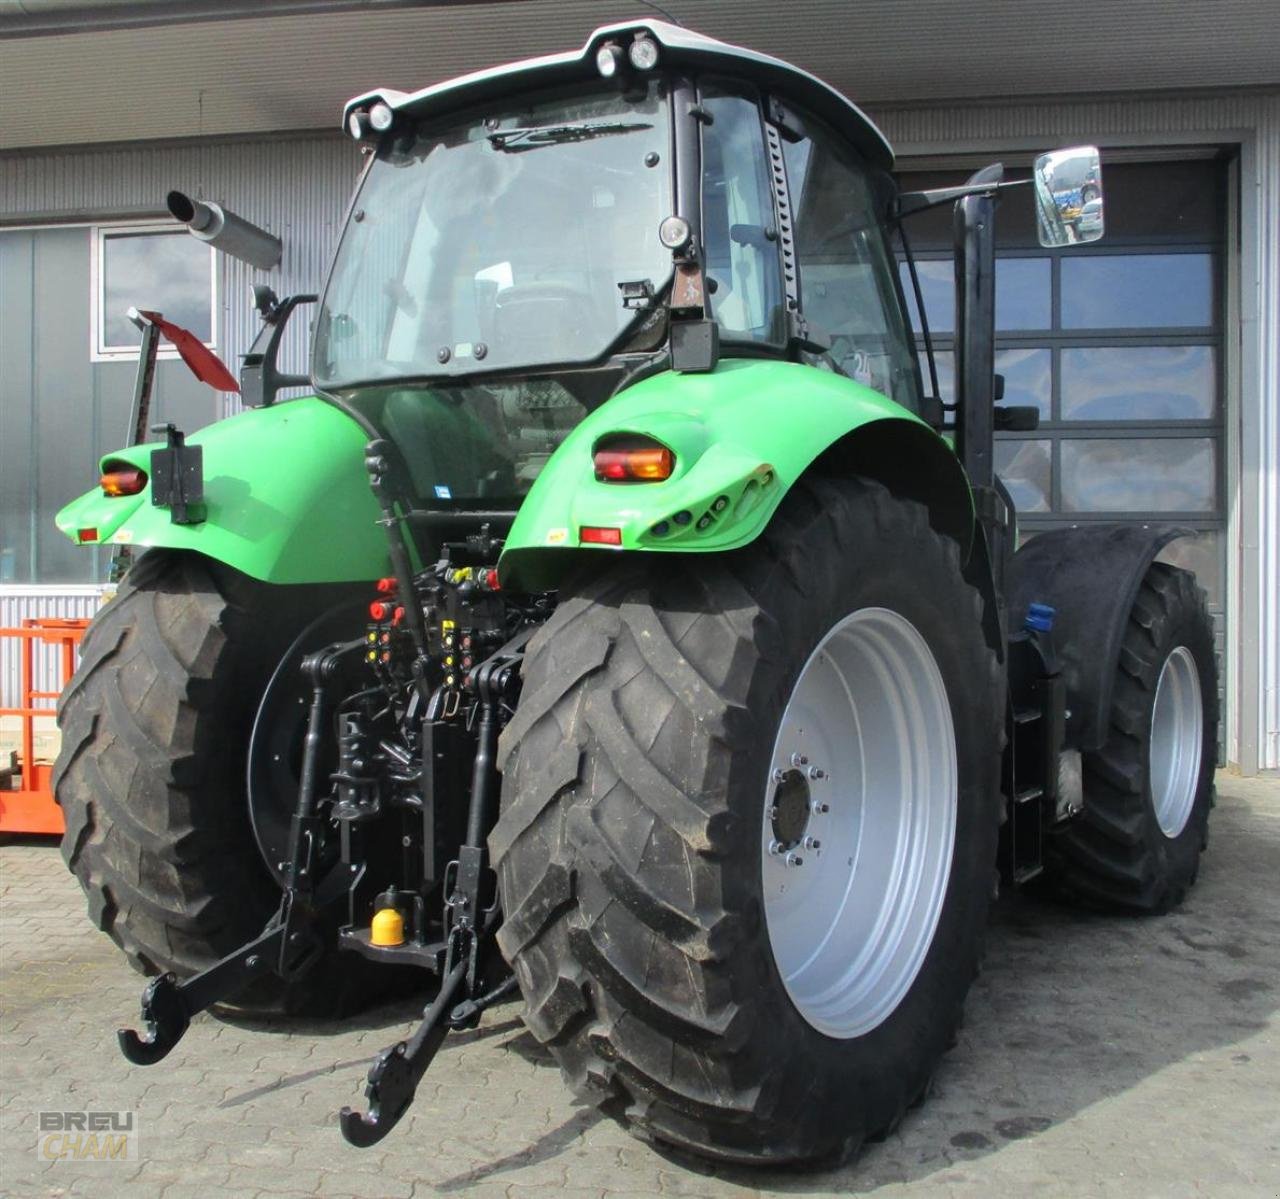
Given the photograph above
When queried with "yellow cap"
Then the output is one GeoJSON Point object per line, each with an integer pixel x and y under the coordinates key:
{"type": "Point", "coordinates": [387, 928]}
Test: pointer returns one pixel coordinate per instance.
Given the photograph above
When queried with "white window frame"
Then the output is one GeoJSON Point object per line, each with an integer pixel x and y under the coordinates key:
{"type": "Point", "coordinates": [98, 234]}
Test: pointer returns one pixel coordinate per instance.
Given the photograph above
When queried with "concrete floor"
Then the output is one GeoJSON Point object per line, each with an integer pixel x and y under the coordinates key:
{"type": "Point", "coordinates": [1101, 1056]}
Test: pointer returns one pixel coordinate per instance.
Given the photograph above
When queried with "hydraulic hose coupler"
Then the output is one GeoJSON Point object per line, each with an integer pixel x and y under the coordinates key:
{"type": "Point", "coordinates": [1039, 626]}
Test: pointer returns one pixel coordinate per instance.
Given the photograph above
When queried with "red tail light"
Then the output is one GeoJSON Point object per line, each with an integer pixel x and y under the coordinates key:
{"type": "Point", "coordinates": [594, 535]}
{"type": "Point", "coordinates": [651, 464]}
{"type": "Point", "coordinates": [122, 480]}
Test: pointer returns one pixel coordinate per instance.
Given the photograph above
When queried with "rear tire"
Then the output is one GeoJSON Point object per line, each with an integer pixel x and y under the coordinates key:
{"type": "Point", "coordinates": [151, 774]}
{"type": "Point", "coordinates": [636, 776]}
{"type": "Point", "coordinates": [1148, 790]}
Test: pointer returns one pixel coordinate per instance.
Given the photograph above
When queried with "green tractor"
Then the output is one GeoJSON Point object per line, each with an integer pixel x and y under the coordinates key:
{"type": "Point", "coordinates": [623, 623]}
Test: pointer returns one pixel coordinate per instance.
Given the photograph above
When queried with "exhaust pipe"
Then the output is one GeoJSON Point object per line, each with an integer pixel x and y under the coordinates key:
{"type": "Point", "coordinates": [225, 231]}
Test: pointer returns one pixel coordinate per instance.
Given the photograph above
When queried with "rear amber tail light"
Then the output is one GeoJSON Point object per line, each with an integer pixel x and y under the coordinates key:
{"type": "Point", "coordinates": [648, 465]}
{"type": "Point", "coordinates": [123, 480]}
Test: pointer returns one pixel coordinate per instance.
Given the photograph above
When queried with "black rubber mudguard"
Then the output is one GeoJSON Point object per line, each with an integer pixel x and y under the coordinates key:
{"type": "Point", "coordinates": [1091, 576]}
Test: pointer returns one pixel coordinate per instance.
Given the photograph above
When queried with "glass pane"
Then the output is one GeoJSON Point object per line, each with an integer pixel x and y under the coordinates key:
{"type": "Point", "coordinates": [938, 283]}
{"type": "Point", "coordinates": [1139, 383]}
{"type": "Point", "coordinates": [1137, 291]}
{"type": "Point", "coordinates": [500, 239]}
{"type": "Point", "coordinates": [1028, 378]}
{"type": "Point", "coordinates": [1146, 202]}
{"type": "Point", "coordinates": [945, 362]}
{"type": "Point", "coordinates": [1139, 475]}
{"type": "Point", "coordinates": [166, 272]}
{"type": "Point", "coordinates": [1201, 554]}
{"type": "Point", "coordinates": [846, 270]}
{"type": "Point", "coordinates": [1183, 201]}
{"type": "Point", "coordinates": [1024, 298]}
{"type": "Point", "coordinates": [738, 221]}
{"type": "Point", "coordinates": [1026, 470]}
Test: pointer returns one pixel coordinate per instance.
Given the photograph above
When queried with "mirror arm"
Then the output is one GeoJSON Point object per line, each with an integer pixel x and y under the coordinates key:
{"type": "Point", "coordinates": [259, 378]}
{"type": "Point", "coordinates": [912, 202]}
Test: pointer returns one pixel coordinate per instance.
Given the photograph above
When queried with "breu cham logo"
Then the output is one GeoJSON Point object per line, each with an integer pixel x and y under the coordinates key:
{"type": "Point", "coordinates": [88, 1136]}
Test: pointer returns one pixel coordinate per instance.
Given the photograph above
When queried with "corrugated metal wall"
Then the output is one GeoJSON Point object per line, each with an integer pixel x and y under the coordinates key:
{"type": "Point", "coordinates": [21, 603]}
{"type": "Point", "coordinates": [297, 187]}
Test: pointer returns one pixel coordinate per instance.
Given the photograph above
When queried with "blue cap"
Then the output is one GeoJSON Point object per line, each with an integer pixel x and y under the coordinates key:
{"type": "Point", "coordinates": [1040, 618]}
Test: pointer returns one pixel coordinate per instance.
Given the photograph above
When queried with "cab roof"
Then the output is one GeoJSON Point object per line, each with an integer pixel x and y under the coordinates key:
{"type": "Point", "coordinates": [678, 47]}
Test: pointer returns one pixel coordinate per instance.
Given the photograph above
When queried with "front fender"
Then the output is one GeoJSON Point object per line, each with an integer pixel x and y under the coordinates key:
{"type": "Point", "coordinates": [741, 434]}
{"type": "Point", "coordinates": [287, 499]}
{"type": "Point", "coordinates": [1091, 576]}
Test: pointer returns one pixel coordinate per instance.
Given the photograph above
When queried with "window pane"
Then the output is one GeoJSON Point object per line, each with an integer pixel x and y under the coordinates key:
{"type": "Point", "coordinates": [166, 272]}
{"type": "Point", "coordinates": [938, 284]}
{"type": "Point", "coordinates": [738, 221]}
{"type": "Point", "coordinates": [1201, 554]}
{"type": "Point", "coordinates": [1139, 383]}
{"type": "Point", "coordinates": [1139, 475]}
{"type": "Point", "coordinates": [1137, 291]}
{"type": "Point", "coordinates": [1026, 470]}
{"type": "Point", "coordinates": [846, 270]}
{"type": "Point", "coordinates": [1028, 378]}
{"type": "Point", "coordinates": [945, 363]}
{"type": "Point", "coordinates": [1024, 297]}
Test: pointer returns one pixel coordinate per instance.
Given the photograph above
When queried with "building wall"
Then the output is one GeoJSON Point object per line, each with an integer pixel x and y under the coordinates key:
{"type": "Point", "coordinates": [297, 187]}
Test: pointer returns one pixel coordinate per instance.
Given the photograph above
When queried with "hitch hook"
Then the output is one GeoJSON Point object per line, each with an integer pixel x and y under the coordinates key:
{"type": "Point", "coordinates": [166, 1018]}
{"type": "Point", "coordinates": [395, 1074]}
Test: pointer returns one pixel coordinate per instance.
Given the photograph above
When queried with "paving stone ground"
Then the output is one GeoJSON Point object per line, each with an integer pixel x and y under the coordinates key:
{"type": "Point", "coordinates": [1101, 1056]}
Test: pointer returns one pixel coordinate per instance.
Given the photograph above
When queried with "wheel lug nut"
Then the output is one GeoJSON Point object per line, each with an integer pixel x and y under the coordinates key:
{"type": "Point", "coordinates": [779, 775]}
{"type": "Point", "coordinates": [819, 808]}
{"type": "Point", "coordinates": [812, 843]}
{"type": "Point", "coordinates": [799, 760]}
{"type": "Point", "coordinates": [816, 772]}
{"type": "Point", "coordinates": [775, 847]}
{"type": "Point", "coordinates": [794, 859]}
{"type": "Point", "coordinates": [773, 812]}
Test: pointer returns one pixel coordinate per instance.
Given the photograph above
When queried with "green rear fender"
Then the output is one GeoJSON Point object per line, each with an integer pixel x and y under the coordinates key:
{"type": "Point", "coordinates": [286, 495]}
{"type": "Point", "coordinates": [742, 435]}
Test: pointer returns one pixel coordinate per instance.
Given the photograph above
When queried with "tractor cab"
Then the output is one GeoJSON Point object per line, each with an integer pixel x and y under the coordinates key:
{"type": "Point", "coordinates": [528, 242]}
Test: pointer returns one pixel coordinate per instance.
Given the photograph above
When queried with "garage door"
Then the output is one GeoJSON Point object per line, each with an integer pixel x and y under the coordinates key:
{"type": "Point", "coordinates": [1119, 345]}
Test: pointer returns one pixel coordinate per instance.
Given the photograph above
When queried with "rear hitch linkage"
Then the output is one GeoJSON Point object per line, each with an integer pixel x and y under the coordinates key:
{"type": "Point", "coordinates": [396, 1072]}
{"type": "Point", "coordinates": [290, 944]}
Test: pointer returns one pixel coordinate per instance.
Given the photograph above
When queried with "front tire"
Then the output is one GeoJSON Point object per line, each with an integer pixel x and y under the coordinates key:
{"type": "Point", "coordinates": [1148, 790]}
{"type": "Point", "coordinates": [643, 917]}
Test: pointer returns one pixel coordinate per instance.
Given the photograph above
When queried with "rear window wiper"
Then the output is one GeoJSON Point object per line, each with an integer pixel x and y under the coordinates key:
{"type": "Point", "coordinates": [533, 136]}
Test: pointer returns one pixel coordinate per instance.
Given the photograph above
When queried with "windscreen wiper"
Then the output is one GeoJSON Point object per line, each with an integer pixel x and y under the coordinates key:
{"type": "Point", "coordinates": [533, 136]}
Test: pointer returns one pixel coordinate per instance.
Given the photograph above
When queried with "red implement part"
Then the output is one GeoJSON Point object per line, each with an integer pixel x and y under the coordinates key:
{"type": "Point", "coordinates": [204, 363]}
{"type": "Point", "coordinates": [31, 807]}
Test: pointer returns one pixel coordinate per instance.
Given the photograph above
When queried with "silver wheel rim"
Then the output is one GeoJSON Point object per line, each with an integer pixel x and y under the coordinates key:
{"type": "Point", "coordinates": [853, 886]}
{"type": "Point", "coordinates": [1177, 729]}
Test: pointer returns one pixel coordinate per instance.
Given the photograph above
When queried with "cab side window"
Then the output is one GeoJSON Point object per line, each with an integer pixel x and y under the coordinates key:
{"type": "Point", "coordinates": [848, 286]}
{"type": "Point", "coordinates": [741, 241]}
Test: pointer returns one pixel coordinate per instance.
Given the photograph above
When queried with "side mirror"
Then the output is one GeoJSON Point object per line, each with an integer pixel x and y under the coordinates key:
{"type": "Point", "coordinates": [1068, 197]}
{"type": "Point", "coordinates": [259, 378]}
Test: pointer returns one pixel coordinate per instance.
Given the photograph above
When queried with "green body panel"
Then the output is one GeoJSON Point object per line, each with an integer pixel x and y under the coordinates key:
{"type": "Point", "coordinates": [287, 499]}
{"type": "Point", "coordinates": [742, 434]}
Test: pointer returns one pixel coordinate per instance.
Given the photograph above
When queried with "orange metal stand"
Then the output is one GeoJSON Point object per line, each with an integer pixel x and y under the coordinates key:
{"type": "Point", "coordinates": [31, 808]}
